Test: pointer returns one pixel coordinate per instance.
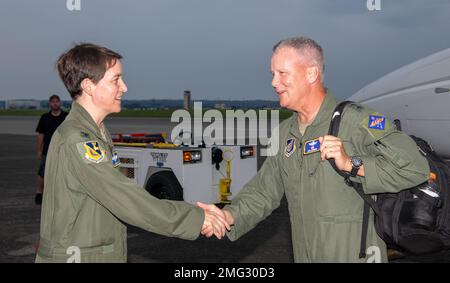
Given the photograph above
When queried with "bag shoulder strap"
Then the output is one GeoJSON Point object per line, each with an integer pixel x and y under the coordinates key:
{"type": "Point", "coordinates": [333, 130]}
{"type": "Point", "coordinates": [368, 201]}
{"type": "Point", "coordinates": [337, 117]}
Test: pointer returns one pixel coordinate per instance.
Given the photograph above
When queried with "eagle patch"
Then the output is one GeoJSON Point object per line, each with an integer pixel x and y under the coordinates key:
{"type": "Point", "coordinates": [290, 147]}
{"type": "Point", "coordinates": [311, 146]}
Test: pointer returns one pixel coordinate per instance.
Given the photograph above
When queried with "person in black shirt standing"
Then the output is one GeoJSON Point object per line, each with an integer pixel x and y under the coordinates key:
{"type": "Point", "coordinates": [45, 129]}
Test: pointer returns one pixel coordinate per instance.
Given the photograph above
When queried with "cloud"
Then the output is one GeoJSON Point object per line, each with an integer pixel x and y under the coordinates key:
{"type": "Point", "coordinates": [216, 48]}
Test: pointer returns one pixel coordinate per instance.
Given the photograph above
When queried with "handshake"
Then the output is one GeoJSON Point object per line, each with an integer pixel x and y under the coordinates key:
{"type": "Point", "coordinates": [217, 221]}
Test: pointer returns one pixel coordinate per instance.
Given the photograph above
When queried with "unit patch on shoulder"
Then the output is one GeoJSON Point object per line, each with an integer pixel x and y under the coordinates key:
{"type": "Point", "coordinates": [311, 146]}
{"type": "Point", "coordinates": [290, 147]}
{"type": "Point", "coordinates": [377, 125]}
{"type": "Point", "coordinates": [377, 122]}
{"type": "Point", "coordinates": [93, 152]}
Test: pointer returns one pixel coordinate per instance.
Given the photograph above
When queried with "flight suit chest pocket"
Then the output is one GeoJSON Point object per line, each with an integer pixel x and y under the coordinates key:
{"type": "Point", "coordinates": [284, 171]}
{"type": "Point", "coordinates": [332, 197]}
{"type": "Point", "coordinates": [290, 168]}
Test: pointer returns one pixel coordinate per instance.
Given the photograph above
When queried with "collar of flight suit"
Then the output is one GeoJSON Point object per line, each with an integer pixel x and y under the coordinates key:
{"type": "Point", "coordinates": [323, 116]}
{"type": "Point", "coordinates": [81, 115]}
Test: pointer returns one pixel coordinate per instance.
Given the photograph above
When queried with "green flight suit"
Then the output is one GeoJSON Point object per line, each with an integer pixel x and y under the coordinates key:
{"type": "Point", "coordinates": [86, 198]}
{"type": "Point", "coordinates": [325, 213]}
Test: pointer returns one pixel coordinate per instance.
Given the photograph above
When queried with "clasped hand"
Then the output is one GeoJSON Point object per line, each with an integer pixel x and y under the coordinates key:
{"type": "Point", "coordinates": [217, 221]}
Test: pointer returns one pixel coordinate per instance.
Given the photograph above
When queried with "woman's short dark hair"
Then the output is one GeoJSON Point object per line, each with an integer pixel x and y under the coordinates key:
{"type": "Point", "coordinates": [85, 60]}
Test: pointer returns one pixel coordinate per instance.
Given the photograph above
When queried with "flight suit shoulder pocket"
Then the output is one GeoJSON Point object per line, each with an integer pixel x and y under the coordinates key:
{"type": "Point", "coordinates": [390, 154]}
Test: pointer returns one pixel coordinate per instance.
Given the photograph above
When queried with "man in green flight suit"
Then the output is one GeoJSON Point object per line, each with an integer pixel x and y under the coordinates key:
{"type": "Point", "coordinates": [325, 213]}
{"type": "Point", "coordinates": [86, 198]}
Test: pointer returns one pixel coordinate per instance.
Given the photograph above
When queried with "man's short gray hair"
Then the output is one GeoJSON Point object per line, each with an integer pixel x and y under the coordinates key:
{"type": "Point", "coordinates": [307, 48]}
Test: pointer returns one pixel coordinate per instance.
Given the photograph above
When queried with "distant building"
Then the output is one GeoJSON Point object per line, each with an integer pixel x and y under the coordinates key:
{"type": "Point", "coordinates": [22, 104]}
{"type": "Point", "coordinates": [220, 106]}
{"type": "Point", "coordinates": [187, 100]}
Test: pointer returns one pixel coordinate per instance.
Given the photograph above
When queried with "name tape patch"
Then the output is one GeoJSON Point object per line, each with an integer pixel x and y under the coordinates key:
{"type": "Point", "coordinates": [311, 146]}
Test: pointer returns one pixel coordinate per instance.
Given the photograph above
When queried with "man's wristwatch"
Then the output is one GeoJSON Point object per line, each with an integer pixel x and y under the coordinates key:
{"type": "Point", "coordinates": [356, 164]}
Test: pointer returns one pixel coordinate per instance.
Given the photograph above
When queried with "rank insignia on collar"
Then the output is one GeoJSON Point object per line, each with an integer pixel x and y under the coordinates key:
{"type": "Point", "coordinates": [290, 147]}
{"type": "Point", "coordinates": [115, 159]}
{"type": "Point", "coordinates": [377, 122]}
{"type": "Point", "coordinates": [311, 146]}
{"type": "Point", "coordinates": [84, 135]}
{"type": "Point", "coordinates": [93, 151]}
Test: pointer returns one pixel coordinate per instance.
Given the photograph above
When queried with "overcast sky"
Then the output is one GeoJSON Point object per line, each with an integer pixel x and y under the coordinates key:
{"type": "Point", "coordinates": [218, 49]}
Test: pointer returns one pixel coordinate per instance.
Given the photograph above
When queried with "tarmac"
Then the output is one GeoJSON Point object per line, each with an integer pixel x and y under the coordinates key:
{"type": "Point", "coordinates": [269, 242]}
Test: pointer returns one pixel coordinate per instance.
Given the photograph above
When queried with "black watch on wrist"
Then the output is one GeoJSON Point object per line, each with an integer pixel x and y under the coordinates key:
{"type": "Point", "coordinates": [356, 164]}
